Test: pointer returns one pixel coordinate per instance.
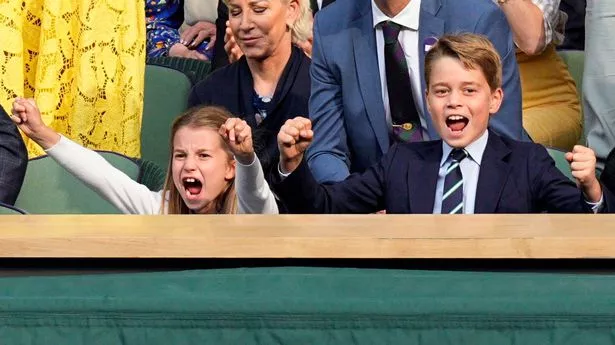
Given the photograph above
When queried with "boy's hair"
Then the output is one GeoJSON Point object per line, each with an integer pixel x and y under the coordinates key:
{"type": "Point", "coordinates": [474, 51]}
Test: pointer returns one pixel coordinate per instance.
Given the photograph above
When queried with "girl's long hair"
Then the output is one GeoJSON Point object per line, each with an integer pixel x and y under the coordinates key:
{"type": "Point", "coordinates": [198, 117]}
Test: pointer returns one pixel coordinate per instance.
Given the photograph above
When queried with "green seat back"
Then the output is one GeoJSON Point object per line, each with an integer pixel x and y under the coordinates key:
{"type": "Point", "coordinates": [9, 210]}
{"type": "Point", "coordinates": [166, 96]}
{"type": "Point", "coordinates": [575, 60]}
{"type": "Point", "coordinates": [50, 189]}
{"type": "Point", "coordinates": [195, 70]}
{"type": "Point", "coordinates": [561, 163]}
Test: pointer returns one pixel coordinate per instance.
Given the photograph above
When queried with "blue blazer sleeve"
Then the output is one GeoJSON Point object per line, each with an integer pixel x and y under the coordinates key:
{"type": "Point", "coordinates": [508, 121]}
{"type": "Point", "coordinates": [13, 160]}
{"type": "Point", "coordinates": [327, 157]}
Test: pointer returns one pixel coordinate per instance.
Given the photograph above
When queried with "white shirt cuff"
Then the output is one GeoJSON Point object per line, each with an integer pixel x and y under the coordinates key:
{"type": "Point", "coordinates": [282, 175]}
{"type": "Point", "coordinates": [596, 206]}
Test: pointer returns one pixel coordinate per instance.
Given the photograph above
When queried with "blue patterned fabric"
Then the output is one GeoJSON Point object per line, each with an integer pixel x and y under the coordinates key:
{"type": "Point", "coordinates": [163, 20]}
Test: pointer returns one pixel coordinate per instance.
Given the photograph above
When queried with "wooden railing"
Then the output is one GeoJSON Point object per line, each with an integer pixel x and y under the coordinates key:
{"type": "Point", "coordinates": [309, 236]}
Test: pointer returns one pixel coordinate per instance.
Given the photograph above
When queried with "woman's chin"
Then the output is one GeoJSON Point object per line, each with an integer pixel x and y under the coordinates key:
{"type": "Point", "coordinates": [255, 53]}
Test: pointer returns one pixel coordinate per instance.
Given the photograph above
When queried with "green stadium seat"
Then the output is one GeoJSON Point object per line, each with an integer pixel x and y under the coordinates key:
{"type": "Point", "coordinates": [49, 189]}
{"type": "Point", "coordinates": [166, 96]}
{"type": "Point", "coordinates": [575, 60]}
{"type": "Point", "coordinates": [561, 163]}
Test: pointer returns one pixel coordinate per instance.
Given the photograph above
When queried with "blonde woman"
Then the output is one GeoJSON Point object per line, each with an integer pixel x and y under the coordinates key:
{"type": "Point", "coordinates": [212, 168]}
{"type": "Point", "coordinates": [270, 83]}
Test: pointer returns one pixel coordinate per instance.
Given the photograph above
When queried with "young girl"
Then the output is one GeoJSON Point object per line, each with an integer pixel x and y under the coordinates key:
{"type": "Point", "coordinates": [212, 168]}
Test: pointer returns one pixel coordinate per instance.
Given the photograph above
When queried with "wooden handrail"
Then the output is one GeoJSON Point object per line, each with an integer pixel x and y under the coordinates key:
{"type": "Point", "coordinates": [309, 236]}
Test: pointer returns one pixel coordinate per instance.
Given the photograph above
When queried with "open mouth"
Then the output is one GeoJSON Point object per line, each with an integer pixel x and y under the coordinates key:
{"type": "Point", "coordinates": [192, 186]}
{"type": "Point", "coordinates": [457, 123]}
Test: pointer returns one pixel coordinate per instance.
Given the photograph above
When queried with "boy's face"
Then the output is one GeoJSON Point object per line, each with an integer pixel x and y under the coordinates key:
{"type": "Point", "coordinates": [460, 101]}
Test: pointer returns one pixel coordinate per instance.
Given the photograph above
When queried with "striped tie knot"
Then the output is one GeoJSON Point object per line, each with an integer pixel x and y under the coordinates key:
{"type": "Point", "coordinates": [390, 31]}
{"type": "Point", "coordinates": [458, 155]}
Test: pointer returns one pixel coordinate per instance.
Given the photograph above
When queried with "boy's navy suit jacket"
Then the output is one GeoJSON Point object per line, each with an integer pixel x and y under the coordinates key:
{"type": "Point", "coordinates": [515, 177]}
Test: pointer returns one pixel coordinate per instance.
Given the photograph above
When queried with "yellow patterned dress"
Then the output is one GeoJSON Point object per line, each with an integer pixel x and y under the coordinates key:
{"type": "Point", "coordinates": [83, 61]}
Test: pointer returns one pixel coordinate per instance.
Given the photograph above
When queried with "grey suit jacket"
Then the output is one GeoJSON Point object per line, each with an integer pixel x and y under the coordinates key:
{"type": "Point", "coordinates": [13, 159]}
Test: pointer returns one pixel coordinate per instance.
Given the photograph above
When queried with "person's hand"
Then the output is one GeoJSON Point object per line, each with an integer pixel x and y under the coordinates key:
{"type": "Point", "coordinates": [293, 139]}
{"type": "Point", "coordinates": [238, 136]}
{"type": "Point", "coordinates": [197, 33]}
{"type": "Point", "coordinates": [583, 165]}
{"type": "Point", "coordinates": [27, 117]}
{"type": "Point", "coordinates": [230, 45]}
{"type": "Point", "coordinates": [180, 50]}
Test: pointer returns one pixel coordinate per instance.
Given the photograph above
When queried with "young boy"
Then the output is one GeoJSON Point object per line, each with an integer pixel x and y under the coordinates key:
{"type": "Point", "coordinates": [471, 170]}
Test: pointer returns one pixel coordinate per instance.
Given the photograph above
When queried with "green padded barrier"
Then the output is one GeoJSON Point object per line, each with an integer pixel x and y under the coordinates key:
{"type": "Point", "coordinates": [166, 97]}
{"type": "Point", "coordinates": [321, 306]}
{"type": "Point", "coordinates": [50, 189]}
{"type": "Point", "coordinates": [561, 163]}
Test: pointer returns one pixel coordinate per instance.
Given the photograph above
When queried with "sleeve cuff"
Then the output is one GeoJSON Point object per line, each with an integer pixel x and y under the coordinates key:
{"type": "Point", "coordinates": [247, 165]}
{"type": "Point", "coordinates": [596, 206]}
{"type": "Point", "coordinates": [62, 142]}
{"type": "Point", "coordinates": [282, 175]}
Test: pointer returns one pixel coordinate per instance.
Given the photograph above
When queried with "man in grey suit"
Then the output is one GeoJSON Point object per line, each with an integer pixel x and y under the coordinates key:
{"type": "Point", "coordinates": [13, 159]}
{"type": "Point", "coordinates": [599, 78]}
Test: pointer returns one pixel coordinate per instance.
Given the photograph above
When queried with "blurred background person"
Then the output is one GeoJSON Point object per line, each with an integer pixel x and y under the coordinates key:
{"type": "Point", "coordinates": [181, 28]}
{"type": "Point", "coordinates": [83, 62]}
{"type": "Point", "coordinates": [13, 160]}
{"type": "Point", "coordinates": [270, 83]}
{"type": "Point", "coordinates": [551, 108]}
{"type": "Point", "coordinates": [599, 78]}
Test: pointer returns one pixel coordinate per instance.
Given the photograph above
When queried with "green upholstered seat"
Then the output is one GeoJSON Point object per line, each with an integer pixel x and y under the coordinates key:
{"type": "Point", "coordinates": [49, 189]}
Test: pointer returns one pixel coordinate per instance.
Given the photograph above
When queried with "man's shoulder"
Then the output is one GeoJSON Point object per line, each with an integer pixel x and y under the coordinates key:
{"type": "Point", "coordinates": [456, 12]}
{"type": "Point", "coordinates": [342, 13]}
{"type": "Point", "coordinates": [468, 6]}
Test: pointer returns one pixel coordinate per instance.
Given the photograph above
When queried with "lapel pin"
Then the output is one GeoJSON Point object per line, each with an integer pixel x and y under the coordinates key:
{"type": "Point", "coordinates": [429, 42]}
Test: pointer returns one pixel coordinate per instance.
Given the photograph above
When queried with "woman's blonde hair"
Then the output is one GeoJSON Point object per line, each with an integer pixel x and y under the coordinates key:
{"type": "Point", "coordinates": [198, 117]}
{"type": "Point", "coordinates": [301, 29]}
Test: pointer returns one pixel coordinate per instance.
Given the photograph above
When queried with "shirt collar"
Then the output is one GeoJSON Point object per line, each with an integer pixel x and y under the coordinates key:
{"type": "Point", "coordinates": [408, 17]}
{"type": "Point", "coordinates": [475, 150]}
